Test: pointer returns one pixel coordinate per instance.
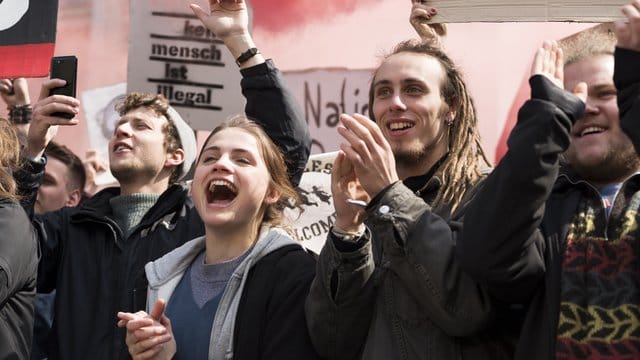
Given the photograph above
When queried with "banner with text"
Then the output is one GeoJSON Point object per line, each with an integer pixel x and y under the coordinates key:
{"type": "Point", "coordinates": [324, 94]}
{"type": "Point", "coordinates": [312, 226]}
{"type": "Point", "coordinates": [172, 53]}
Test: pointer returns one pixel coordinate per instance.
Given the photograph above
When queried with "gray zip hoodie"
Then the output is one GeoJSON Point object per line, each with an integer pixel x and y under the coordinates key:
{"type": "Point", "coordinates": [165, 273]}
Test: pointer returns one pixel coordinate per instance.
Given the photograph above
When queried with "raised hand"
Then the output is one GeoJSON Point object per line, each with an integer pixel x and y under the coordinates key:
{"type": "Point", "coordinates": [344, 186]}
{"type": "Point", "coordinates": [225, 18]}
{"type": "Point", "coordinates": [421, 13]}
{"type": "Point", "coordinates": [15, 92]}
{"type": "Point", "coordinates": [44, 126]}
{"type": "Point", "coordinates": [149, 336]}
{"type": "Point", "coordinates": [94, 165]}
{"type": "Point", "coordinates": [369, 153]}
{"type": "Point", "coordinates": [628, 32]}
{"type": "Point", "coordinates": [549, 62]}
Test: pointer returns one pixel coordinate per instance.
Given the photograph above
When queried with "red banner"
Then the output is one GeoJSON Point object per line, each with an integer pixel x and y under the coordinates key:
{"type": "Point", "coordinates": [27, 37]}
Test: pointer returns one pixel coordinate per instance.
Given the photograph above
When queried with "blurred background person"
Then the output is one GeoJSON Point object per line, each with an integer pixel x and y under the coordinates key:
{"type": "Point", "coordinates": [18, 256]}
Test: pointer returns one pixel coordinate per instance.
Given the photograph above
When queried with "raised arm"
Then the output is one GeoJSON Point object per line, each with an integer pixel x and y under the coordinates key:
{"type": "Point", "coordinates": [269, 101]}
{"type": "Point", "coordinates": [627, 73]}
{"type": "Point", "coordinates": [501, 244]}
{"type": "Point", "coordinates": [42, 130]}
{"type": "Point", "coordinates": [29, 178]}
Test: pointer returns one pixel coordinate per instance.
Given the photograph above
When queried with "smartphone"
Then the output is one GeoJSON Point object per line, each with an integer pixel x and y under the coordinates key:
{"type": "Point", "coordinates": [65, 68]}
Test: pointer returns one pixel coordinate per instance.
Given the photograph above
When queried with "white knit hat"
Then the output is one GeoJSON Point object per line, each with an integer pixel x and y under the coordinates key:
{"type": "Point", "coordinates": [187, 140]}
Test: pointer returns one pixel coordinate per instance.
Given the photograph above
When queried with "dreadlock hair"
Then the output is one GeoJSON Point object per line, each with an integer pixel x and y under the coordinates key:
{"type": "Point", "coordinates": [462, 167]}
{"type": "Point", "coordinates": [160, 105]}
{"type": "Point", "coordinates": [9, 159]}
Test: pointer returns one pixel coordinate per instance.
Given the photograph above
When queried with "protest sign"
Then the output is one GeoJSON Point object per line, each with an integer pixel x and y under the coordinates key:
{"type": "Point", "coordinates": [324, 94]}
{"type": "Point", "coordinates": [27, 37]}
{"type": "Point", "coordinates": [173, 54]}
{"type": "Point", "coordinates": [312, 226]}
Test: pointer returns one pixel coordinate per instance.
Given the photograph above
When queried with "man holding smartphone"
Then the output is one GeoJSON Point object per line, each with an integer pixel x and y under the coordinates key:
{"type": "Point", "coordinates": [94, 254]}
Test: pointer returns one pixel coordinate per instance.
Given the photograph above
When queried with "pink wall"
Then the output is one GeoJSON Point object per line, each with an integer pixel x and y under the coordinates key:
{"type": "Point", "coordinates": [352, 34]}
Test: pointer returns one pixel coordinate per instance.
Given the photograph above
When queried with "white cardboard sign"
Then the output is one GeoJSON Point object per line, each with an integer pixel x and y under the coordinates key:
{"type": "Point", "coordinates": [454, 11]}
{"type": "Point", "coordinates": [324, 94]}
{"type": "Point", "coordinates": [172, 53]}
{"type": "Point", "coordinates": [313, 225]}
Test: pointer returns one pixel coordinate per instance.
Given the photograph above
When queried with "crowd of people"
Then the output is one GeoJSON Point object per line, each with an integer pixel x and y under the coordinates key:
{"type": "Point", "coordinates": [433, 254]}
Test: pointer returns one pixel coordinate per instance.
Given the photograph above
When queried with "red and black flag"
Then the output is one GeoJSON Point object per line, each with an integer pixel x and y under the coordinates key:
{"type": "Point", "coordinates": [27, 37]}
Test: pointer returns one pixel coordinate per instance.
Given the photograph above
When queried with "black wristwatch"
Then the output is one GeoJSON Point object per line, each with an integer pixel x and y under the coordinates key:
{"type": "Point", "coordinates": [245, 56]}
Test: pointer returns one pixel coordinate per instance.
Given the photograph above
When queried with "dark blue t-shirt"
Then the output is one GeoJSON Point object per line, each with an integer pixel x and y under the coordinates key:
{"type": "Point", "coordinates": [191, 324]}
{"type": "Point", "coordinates": [194, 303]}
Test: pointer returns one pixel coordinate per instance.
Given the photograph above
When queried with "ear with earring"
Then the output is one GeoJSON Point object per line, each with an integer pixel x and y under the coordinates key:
{"type": "Point", "coordinates": [449, 120]}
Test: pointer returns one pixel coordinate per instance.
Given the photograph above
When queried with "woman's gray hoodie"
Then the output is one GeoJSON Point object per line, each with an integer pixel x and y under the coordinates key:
{"type": "Point", "coordinates": [165, 273]}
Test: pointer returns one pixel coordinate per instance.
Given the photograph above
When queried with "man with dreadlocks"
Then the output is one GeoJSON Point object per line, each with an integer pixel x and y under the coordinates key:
{"type": "Point", "coordinates": [570, 245]}
{"type": "Point", "coordinates": [393, 289]}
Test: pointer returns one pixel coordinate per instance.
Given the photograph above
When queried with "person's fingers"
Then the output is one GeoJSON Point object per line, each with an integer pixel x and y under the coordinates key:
{"type": "Point", "coordinates": [356, 149]}
{"type": "Point", "coordinates": [148, 353]}
{"type": "Point", "coordinates": [42, 114]}
{"type": "Point", "coordinates": [166, 322]}
{"type": "Point", "coordinates": [419, 14]}
{"type": "Point", "coordinates": [358, 134]}
{"type": "Point", "coordinates": [199, 12]}
{"type": "Point", "coordinates": [559, 71]}
{"type": "Point", "coordinates": [553, 58]}
{"type": "Point", "coordinates": [50, 84]}
{"type": "Point", "coordinates": [628, 30]}
{"type": "Point", "coordinates": [338, 170]}
{"type": "Point", "coordinates": [581, 91]}
{"type": "Point", "coordinates": [146, 332]}
{"type": "Point", "coordinates": [547, 56]}
{"type": "Point", "coordinates": [372, 128]}
{"type": "Point", "coordinates": [621, 29]}
{"type": "Point", "coordinates": [139, 323]}
{"type": "Point", "coordinates": [100, 166]}
{"type": "Point", "coordinates": [5, 85]}
{"type": "Point", "coordinates": [149, 347]}
{"type": "Point", "coordinates": [536, 67]}
{"type": "Point", "coordinates": [125, 316]}
{"type": "Point", "coordinates": [632, 10]}
{"type": "Point", "coordinates": [351, 155]}
{"type": "Point", "coordinates": [158, 309]}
